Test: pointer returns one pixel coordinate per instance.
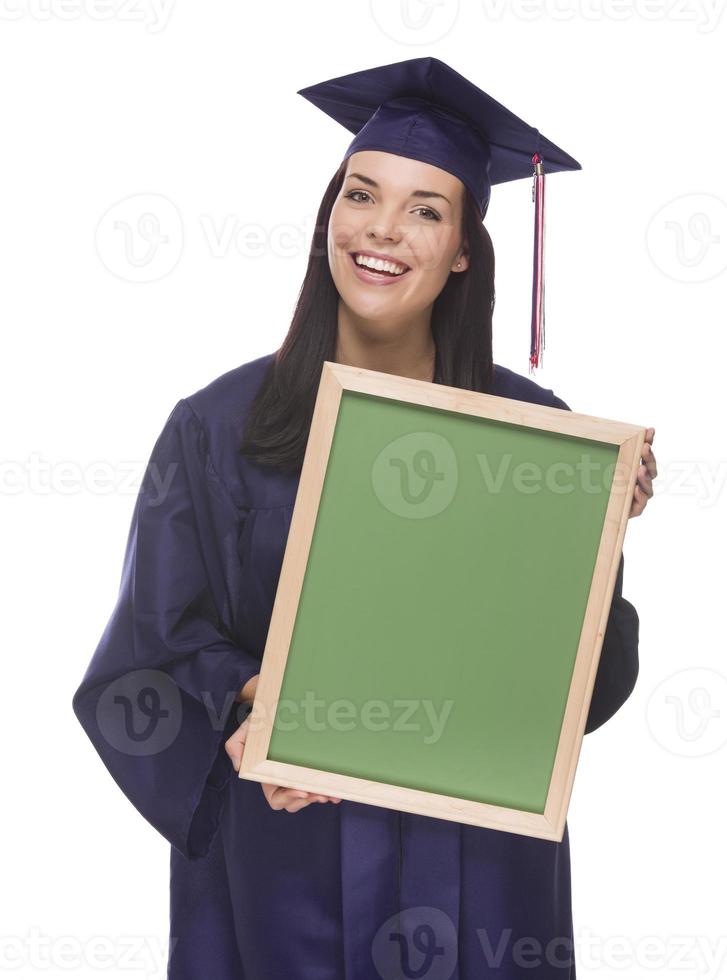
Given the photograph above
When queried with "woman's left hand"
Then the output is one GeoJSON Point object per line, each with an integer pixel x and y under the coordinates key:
{"type": "Point", "coordinates": [647, 472]}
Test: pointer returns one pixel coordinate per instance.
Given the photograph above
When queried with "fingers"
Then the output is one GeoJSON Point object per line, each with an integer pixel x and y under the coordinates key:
{"type": "Point", "coordinates": [235, 745]}
{"type": "Point", "coordinates": [643, 489]}
{"type": "Point", "coordinates": [312, 798]}
{"type": "Point", "coordinates": [279, 797]}
{"type": "Point", "coordinates": [644, 481]}
{"type": "Point", "coordinates": [284, 798]}
{"type": "Point", "coordinates": [292, 800]}
{"type": "Point", "coordinates": [234, 749]}
{"type": "Point", "coordinates": [639, 502]}
{"type": "Point", "coordinates": [649, 460]}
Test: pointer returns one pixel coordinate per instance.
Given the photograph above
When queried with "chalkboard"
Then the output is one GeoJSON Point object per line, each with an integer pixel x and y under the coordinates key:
{"type": "Point", "coordinates": [442, 601]}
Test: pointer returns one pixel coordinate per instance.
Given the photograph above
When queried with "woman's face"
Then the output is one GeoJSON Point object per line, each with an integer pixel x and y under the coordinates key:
{"type": "Point", "coordinates": [405, 211]}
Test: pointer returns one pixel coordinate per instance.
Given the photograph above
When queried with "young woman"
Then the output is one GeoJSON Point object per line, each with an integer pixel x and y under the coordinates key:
{"type": "Point", "coordinates": [271, 882]}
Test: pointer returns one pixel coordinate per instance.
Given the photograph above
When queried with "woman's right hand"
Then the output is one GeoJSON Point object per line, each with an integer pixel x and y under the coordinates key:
{"type": "Point", "coordinates": [279, 797]}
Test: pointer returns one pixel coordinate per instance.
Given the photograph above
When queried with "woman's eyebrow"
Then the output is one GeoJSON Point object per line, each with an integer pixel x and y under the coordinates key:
{"type": "Point", "coordinates": [372, 183]}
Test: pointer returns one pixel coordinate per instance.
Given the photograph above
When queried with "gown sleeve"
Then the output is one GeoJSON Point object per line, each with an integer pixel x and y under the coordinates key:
{"type": "Point", "coordinates": [618, 666]}
{"type": "Point", "coordinates": [157, 697]}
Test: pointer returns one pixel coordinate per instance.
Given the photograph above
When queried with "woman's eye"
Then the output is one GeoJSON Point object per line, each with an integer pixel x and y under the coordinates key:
{"type": "Point", "coordinates": [351, 193]}
{"type": "Point", "coordinates": [430, 215]}
{"type": "Point", "coordinates": [435, 216]}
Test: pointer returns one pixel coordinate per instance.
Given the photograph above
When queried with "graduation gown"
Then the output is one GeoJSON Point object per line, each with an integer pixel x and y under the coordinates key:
{"type": "Point", "coordinates": [341, 891]}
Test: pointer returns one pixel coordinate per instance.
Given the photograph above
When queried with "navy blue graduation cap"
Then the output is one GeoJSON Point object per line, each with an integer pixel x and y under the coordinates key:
{"type": "Point", "coordinates": [425, 110]}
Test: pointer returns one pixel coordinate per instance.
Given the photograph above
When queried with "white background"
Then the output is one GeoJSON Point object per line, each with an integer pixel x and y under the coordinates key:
{"type": "Point", "coordinates": [196, 105]}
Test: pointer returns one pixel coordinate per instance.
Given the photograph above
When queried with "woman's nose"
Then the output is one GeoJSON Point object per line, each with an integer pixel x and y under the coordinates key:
{"type": "Point", "coordinates": [385, 229]}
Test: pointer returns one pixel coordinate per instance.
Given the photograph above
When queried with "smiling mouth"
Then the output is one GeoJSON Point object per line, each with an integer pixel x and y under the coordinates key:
{"type": "Point", "coordinates": [384, 270]}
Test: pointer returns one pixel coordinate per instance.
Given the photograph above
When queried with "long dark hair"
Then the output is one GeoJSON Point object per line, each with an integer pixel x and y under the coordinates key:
{"type": "Point", "coordinates": [277, 425]}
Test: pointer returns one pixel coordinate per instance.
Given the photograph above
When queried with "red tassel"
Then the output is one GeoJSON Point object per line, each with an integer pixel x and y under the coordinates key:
{"type": "Point", "coordinates": [537, 322]}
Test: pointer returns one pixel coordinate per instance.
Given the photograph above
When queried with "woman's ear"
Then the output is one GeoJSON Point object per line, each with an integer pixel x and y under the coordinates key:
{"type": "Point", "coordinates": [461, 261]}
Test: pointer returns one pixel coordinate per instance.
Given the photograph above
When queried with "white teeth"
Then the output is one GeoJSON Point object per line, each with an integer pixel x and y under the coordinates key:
{"type": "Point", "coordinates": [379, 264]}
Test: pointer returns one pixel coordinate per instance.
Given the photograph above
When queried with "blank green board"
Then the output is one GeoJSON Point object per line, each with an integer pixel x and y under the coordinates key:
{"type": "Point", "coordinates": [435, 576]}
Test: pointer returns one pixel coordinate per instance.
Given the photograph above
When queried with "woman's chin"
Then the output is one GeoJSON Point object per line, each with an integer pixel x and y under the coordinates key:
{"type": "Point", "coordinates": [377, 314]}
{"type": "Point", "coordinates": [373, 304]}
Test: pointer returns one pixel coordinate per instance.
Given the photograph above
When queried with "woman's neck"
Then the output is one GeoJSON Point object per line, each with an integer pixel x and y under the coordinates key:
{"type": "Point", "coordinates": [409, 352]}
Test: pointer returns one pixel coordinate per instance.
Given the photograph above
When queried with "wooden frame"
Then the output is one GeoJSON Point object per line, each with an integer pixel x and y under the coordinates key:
{"type": "Point", "coordinates": [335, 380]}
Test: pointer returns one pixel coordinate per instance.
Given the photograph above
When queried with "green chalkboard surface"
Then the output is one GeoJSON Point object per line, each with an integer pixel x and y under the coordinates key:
{"type": "Point", "coordinates": [442, 601]}
{"type": "Point", "coordinates": [404, 596]}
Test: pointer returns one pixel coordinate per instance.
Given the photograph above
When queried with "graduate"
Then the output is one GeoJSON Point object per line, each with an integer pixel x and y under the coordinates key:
{"type": "Point", "coordinates": [273, 883]}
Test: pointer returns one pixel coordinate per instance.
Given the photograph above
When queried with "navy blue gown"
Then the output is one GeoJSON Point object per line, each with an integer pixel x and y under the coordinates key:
{"type": "Point", "coordinates": [341, 891]}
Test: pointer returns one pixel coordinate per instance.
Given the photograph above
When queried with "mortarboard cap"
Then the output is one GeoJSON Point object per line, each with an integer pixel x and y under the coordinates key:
{"type": "Point", "coordinates": [425, 110]}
